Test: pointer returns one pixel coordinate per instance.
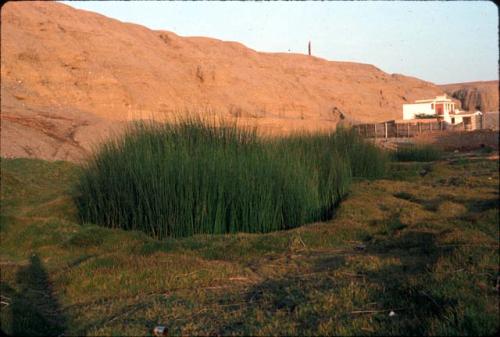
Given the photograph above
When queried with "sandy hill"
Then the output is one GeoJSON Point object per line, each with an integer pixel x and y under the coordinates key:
{"type": "Point", "coordinates": [483, 94]}
{"type": "Point", "coordinates": [70, 76]}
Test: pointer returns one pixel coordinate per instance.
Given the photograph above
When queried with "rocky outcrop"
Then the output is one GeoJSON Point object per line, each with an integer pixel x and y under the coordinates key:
{"type": "Point", "coordinates": [475, 95]}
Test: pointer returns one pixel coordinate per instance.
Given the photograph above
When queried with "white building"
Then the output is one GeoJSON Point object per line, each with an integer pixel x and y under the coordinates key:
{"type": "Point", "coordinates": [440, 107]}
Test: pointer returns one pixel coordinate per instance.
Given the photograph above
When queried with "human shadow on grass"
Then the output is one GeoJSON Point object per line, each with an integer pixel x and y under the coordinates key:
{"type": "Point", "coordinates": [33, 309]}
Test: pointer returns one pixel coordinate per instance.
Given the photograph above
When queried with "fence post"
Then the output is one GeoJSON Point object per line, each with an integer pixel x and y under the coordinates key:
{"type": "Point", "coordinates": [396, 130]}
{"type": "Point", "coordinates": [385, 130]}
{"type": "Point", "coordinates": [375, 130]}
{"type": "Point", "coordinates": [408, 125]}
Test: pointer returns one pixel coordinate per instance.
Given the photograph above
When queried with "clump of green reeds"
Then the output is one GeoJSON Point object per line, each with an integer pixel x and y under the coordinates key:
{"type": "Point", "coordinates": [195, 177]}
{"type": "Point", "coordinates": [422, 153]}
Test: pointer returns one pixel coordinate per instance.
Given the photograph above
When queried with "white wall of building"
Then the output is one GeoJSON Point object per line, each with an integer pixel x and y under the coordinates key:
{"type": "Point", "coordinates": [456, 119]}
{"type": "Point", "coordinates": [410, 110]}
{"type": "Point", "coordinates": [450, 113]}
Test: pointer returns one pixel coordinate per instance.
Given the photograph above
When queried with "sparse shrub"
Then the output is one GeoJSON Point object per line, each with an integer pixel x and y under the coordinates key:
{"type": "Point", "coordinates": [425, 116]}
{"type": "Point", "coordinates": [405, 196]}
{"type": "Point", "coordinates": [193, 177]}
{"type": "Point", "coordinates": [422, 153]}
{"type": "Point", "coordinates": [486, 149]}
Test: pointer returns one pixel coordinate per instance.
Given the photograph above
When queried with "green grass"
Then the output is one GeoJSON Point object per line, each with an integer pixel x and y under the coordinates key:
{"type": "Point", "coordinates": [424, 246]}
{"type": "Point", "coordinates": [420, 153]}
{"type": "Point", "coordinates": [194, 178]}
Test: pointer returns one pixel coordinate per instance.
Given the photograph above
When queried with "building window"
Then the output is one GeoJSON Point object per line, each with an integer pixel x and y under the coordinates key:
{"type": "Point", "coordinates": [453, 121]}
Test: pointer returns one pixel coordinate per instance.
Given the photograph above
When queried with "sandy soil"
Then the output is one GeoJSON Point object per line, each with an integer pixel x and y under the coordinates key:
{"type": "Point", "coordinates": [70, 76]}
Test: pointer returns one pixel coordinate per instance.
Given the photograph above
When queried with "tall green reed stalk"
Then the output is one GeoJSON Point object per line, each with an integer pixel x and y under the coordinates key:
{"type": "Point", "coordinates": [195, 177]}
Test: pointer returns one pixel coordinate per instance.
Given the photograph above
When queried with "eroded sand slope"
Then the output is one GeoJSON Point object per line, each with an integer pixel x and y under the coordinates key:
{"type": "Point", "coordinates": [70, 77]}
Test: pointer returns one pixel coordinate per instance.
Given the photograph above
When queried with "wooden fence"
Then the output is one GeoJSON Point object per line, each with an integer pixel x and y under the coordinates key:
{"type": "Point", "coordinates": [409, 129]}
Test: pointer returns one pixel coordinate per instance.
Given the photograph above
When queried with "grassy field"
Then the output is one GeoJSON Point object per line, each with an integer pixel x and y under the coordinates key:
{"type": "Point", "coordinates": [422, 243]}
{"type": "Point", "coordinates": [413, 152]}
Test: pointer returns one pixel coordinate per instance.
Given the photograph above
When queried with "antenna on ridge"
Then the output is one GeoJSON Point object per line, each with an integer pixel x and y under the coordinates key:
{"type": "Point", "coordinates": [309, 48]}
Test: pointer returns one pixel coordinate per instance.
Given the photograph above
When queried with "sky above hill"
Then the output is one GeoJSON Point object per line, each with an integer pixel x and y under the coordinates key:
{"type": "Point", "coordinates": [438, 41]}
